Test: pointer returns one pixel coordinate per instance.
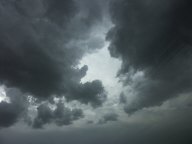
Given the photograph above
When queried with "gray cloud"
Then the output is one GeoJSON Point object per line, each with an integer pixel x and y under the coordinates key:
{"type": "Point", "coordinates": [122, 98]}
{"type": "Point", "coordinates": [60, 116]}
{"type": "Point", "coordinates": [153, 37]}
{"type": "Point", "coordinates": [169, 123]}
{"type": "Point", "coordinates": [162, 126]}
{"type": "Point", "coordinates": [44, 116]}
{"type": "Point", "coordinates": [108, 117]}
{"type": "Point", "coordinates": [90, 92]}
{"type": "Point", "coordinates": [37, 53]}
{"type": "Point", "coordinates": [10, 112]}
{"type": "Point", "coordinates": [41, 44]}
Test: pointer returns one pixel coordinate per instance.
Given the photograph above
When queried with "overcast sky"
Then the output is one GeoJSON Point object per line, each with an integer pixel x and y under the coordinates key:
{"type": "Point", "coordinates": [94, 71]}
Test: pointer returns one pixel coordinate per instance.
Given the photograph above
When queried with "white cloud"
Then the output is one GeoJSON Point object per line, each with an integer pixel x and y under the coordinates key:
{"type": "Point", "coordinates": [3, 96]}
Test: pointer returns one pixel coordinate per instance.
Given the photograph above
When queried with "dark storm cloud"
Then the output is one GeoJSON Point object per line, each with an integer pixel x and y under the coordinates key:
{"type": "Point", "coordinates": [122, 98]}
{"type": "Point", "coordinates": [164, 126]}
{"type": "Point", "coordinates": [66, 116]}
{"type": "Point", "coordinates": [11, 111]}
{"type": "Point", "coordinates": [108, 117]}
{"type": "Point", "coordinates": [89, 92]}
{"type": "Point", "coordinates": [44, 116]}
{"type": "Point", "coordinates": [41, 45]}
{"type": "Point", "coordinates": [8, 114]}
{"type": "Point", "coordinates": [61, 115]}
{"type": "Point", "coordinates": [155, 37]}
{"type": "Point", "coordinates": [93, 10]}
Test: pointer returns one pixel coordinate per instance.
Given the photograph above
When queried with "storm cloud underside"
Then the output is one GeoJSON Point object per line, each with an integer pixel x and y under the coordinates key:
{"type": "Point", "coordinates": [153, 37]}
{"type": "Point", "coordinates": [58, 65]}
{"type": "Point", "coordinates": [42, 42]}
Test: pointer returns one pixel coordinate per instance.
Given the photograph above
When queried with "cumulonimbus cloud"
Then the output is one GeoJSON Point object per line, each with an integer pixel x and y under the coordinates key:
{"type": "Point", "coordinates": [153, 37]}
{"type": "Point", "coordinates": [41, 44]}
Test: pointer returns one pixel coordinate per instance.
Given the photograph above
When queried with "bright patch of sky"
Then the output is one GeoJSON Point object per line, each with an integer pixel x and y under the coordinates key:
{"type": "Point", "coordinates": [103, 67]}
{"type": "Point", "coordinates": [3, 96]}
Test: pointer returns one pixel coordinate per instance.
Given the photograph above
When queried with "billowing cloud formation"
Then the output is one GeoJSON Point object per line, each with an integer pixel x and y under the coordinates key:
{"type": "Point", "coordinates": [169, 124]}
{"type": "Point", "coordinates": [61, 115]}
{"type": "Point", "coordinates": [38, 45]}
{"type": "Point", "coordinates": [11, 111]}
{"type": "Point", "coordinates": [90, 92]}
{"type": "Point", "coordinates": [154, 37]}
{"type": "Point", "coordinates": [41, 44]}
{"type": "Point", "coordinates": [108, 117]}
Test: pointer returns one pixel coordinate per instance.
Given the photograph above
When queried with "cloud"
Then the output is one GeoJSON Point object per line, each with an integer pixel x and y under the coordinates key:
{"type": "Point", "coordinates": [153, 37]}
{"type": "Point", "coordinates": [168, 123]}
{"type": "Point", "coordinates": [92, 11]}
{"type": "Point", "coordinates": [108, 117]}
{"type": "Point", "coordinates": [122, 98]}
{"type": "Point", "coordinates": [89, 92]}
{"type": "Point", "coordinates": [10, 112]}
{"type": "Point", "coordinates": [44, 116]}
{"type": "Point", "coordinates": [163, 125]}
{"type": "Point", "coordinates": [42, 43]}
{"type": "Point", "coordinates": [60, 116]}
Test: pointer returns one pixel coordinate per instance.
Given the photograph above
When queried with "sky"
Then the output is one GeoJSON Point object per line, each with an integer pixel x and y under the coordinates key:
{"type": "Point", "coordinates": [94, 71]}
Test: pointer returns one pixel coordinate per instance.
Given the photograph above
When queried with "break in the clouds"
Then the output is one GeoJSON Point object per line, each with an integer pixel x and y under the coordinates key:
{"type": "Point", "coordinates": [71, 70]}
{"type": "Point", "coordinates": [153, 37]}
